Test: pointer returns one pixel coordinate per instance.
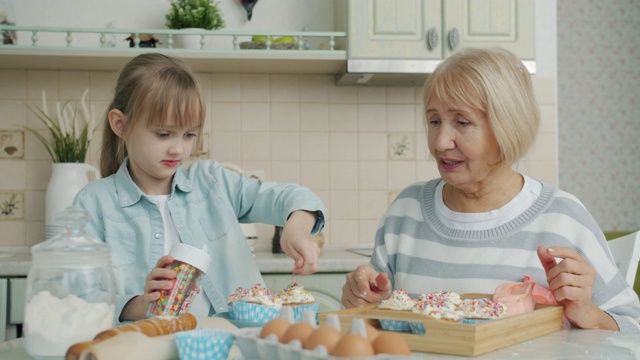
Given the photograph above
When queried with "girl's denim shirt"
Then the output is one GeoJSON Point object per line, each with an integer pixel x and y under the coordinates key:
{"type": "Point", "coordinates": [207, 205]}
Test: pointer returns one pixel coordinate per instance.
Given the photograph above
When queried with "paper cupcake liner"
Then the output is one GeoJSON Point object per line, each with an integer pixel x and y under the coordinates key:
{"type": "Point", "coordinates": [472, 321]}
{"type": "Point", "coordinates": [417, 328]}
{"type": "Point", "coordinates": [298, 310]}
{"type": "Point", "coordinates": [250, 312]}
{"type": "Point", "coordinates": [213, 344]}
{"type": "Point", "coordinates": [395, 325]}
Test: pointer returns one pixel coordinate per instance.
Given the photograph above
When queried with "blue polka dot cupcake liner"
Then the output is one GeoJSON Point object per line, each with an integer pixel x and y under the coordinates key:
{"type": "Point", "coordinates": [417, 328]}
{"type": "Point", "coordinates": [395, 325]}
{"type": "Point", "coordinates": [473, 321]}
{"type": "Point", "coordinates": [210, 344]}
{"type": "Point", "coordinates": [250, 312]}
{"type": "Point", "coordinates": [298, 310]}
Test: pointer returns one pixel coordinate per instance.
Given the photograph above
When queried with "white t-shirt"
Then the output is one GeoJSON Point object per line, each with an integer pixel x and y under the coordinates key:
{"type": "Point", "coordinates": [490, 219]}
{"type": "Point", "coordinates": [200, 305]}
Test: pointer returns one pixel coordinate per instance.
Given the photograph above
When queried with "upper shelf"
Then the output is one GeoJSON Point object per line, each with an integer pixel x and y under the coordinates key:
{"type": "Point", "coordinates": [220, 51]}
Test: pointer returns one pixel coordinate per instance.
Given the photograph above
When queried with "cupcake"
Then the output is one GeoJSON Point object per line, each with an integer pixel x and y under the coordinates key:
{"type": "Point", "coordinates": [256, 304]}
{"type": "Point", "coordinates": [440, 305]}
{"type": "Point", "coordinates": [299, 300]}
{"type": "Point", "coordinates": [480, 310]}
{"type": "Point", "coordinates": [399, 301]}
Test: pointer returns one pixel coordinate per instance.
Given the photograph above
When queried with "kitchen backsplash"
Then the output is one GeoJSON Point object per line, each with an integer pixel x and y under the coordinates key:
{"type": "Point", "coordinates": [356, 147]}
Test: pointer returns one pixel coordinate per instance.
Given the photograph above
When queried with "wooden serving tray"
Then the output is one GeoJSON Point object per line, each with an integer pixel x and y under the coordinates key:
{"type": "Point", "coordinates": [450, 337]}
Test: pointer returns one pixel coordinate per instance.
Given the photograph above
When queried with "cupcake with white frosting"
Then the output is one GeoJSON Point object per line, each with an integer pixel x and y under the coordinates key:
{"type": "Point", "coordinates": [398, 301]}
{"type": "Point", "coordinates": [299, 299]}
{"type": "Point", "coordinates": [440, 305]}
{"type": "Point", "coordinates": [257, 304]}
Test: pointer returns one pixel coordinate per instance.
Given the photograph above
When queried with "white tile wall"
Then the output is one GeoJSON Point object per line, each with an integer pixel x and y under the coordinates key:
{"type": "Point", "coordinates": [299, 129]}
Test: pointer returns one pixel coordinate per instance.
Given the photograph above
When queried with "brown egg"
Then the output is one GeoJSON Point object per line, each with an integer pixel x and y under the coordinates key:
{"type": "Point", "coordinates": [298, 331]}
{"type": "Point", "coordinates": [351, 345]}
{"type": "Point", "coordinates": [324, 335]}
{"type": "Point", "coordinates": [276, 326]}
{"type": "Point", "coordinates": [391, 343]}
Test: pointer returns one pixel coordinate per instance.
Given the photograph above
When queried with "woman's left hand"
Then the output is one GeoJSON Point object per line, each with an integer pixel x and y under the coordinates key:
{"type": "Point", "coordinates": [571, 280]}
{"type": "Point", "coordinates": [297, 243]}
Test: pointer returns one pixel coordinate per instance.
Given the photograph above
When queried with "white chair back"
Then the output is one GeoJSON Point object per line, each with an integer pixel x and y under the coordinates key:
{"type": "Point", "coordinates": [626, 253]}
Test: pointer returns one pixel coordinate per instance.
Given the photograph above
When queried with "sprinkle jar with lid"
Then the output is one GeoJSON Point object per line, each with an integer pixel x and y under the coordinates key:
{"type": "Point", "coordinates": [190, 264]}
{"type": "Point", "coordinates": [70, 293]}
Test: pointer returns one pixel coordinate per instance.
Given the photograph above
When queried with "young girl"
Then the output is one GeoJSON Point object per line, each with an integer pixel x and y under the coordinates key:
{"type": "Point", "coordinates": [146, 201]}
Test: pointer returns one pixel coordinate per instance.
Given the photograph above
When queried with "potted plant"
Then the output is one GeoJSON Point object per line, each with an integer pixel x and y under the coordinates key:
{"type": "Point", "coordinates": [68, 135]}
{"type": "Point", "coordinates": [194, 14]}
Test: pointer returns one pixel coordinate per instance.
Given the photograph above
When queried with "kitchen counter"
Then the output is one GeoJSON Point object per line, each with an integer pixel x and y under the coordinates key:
{"type": "Point", "coordinates": [17, 261]}
{"type": "Point", "coordinates": [331, 261]}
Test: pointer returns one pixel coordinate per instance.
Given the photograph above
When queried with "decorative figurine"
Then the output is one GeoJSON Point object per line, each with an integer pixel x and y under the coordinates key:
{"type": "Point", "coordinates": [248, 6]}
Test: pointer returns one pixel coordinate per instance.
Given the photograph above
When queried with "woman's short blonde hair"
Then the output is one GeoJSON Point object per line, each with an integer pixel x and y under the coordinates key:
{"type": "Point", "coordinates": [497, 83]}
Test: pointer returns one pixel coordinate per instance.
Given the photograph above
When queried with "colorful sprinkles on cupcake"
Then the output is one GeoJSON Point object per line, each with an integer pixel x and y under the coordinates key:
{"type": "Point", "coordinates": [257, 294]}
{"type": "Point", "coordinates": [399, 300]}
{"type": "Point", "coordinates": [295, 294]}
{"type": "Point", "coordinates": [482, 309]}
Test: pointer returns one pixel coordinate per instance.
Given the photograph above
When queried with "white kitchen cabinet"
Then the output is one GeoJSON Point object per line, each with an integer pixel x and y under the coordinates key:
{"type": "Point", "coordinates": [3, 308]}
{"type": "Point", "coordinates": [17, 293]}
{"type": "Point", "coordinates": [12, 296]}
{"type": "Point", "coordinates": [434, 29]}
{"type": "Point", "coordinates": [326, 288]}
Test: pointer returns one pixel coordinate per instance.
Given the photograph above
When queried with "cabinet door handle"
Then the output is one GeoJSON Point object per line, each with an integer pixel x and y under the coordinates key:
{"type": "Point", "coordinates": [433, 38]}
{"type": "Point", "coordinates": [454, 38]}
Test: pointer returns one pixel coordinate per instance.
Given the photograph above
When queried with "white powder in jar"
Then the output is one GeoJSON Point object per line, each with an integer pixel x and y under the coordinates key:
{"type": "Point", "coordinates": [52, 324]}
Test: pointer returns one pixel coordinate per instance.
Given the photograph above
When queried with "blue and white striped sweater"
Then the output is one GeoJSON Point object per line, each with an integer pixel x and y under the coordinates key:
{"type": "Point", "coordinates": [422, 255]}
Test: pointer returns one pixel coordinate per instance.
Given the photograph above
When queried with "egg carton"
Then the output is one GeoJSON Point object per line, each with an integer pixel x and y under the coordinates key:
{"type": "Point", "coordinates": [253, 347]}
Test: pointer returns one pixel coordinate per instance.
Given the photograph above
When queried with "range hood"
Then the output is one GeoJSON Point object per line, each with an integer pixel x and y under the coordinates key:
{"type": "Point", "coordinates": [387, 72]}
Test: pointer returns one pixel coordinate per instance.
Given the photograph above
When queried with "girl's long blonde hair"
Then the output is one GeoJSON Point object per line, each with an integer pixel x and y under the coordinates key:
{"type": "Point", "coordinates": [153, 88]}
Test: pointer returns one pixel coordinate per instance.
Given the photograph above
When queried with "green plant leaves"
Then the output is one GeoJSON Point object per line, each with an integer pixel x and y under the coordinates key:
{"type": "Point", "coordinates": [202, 14]}
{"type": "Point", "coordinates": [63, 146]}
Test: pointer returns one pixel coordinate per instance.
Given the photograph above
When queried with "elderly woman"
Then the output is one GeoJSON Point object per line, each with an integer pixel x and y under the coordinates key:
{"type": "Point", "coordinates": [482, 223]}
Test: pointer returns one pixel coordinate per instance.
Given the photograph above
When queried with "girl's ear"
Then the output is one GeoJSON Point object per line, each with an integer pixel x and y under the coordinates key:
{"type": "Point", "coordinates": [116, 121]}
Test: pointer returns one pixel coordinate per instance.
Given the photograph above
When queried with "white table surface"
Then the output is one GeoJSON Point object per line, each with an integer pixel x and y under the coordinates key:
{"type": "Point", "coordinates": [563, 344]}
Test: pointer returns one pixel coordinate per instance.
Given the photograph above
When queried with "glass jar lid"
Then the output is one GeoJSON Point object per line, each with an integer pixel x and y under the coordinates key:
{"type": "Point", "coordinates": [72, 242]}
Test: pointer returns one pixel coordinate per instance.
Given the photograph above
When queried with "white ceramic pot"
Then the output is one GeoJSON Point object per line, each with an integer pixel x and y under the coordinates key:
{"type": "Point", "coordinates": [189, 41]}
{"type": "Point", "coordinates": [67, 179]}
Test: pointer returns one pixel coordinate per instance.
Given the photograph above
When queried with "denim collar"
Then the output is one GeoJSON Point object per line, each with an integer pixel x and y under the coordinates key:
{"type": "Point", "coordinates": [129, 193]}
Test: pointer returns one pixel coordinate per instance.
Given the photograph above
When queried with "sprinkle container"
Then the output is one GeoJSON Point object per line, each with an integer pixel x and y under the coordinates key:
{"type": "Point", "coordinates": [190, 264]}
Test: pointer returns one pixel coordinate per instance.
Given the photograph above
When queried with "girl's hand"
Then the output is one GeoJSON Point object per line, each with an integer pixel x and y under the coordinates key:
{"type": "Point", "coordinates": [158, 279]}
{"type": "Point", "coordinates": [571, 280]}
{"type": "Point", "coordinates": [365, 286]}
{"type": "Point", "coordinates": [296, 242]}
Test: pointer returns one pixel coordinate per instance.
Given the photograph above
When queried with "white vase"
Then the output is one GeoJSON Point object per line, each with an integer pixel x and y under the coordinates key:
{"type": "Point", "coordinates": [189, 41]}
{"type": "Point", "coordinates": [67, 179]}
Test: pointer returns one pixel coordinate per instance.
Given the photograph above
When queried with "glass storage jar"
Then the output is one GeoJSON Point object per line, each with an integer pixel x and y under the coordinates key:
{"type": "Point", "coordinates": [70, 292]}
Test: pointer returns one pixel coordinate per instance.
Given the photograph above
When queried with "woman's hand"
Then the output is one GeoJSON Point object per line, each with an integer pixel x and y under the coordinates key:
{"type": "Point", "coordinates": [158, 279]}
{"type": "Point", "coordinates": [365, 286]}
{"type": "Point", "coordinates": [571, 280]}
{"type": "Point", "coordinates": [297, 243]}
